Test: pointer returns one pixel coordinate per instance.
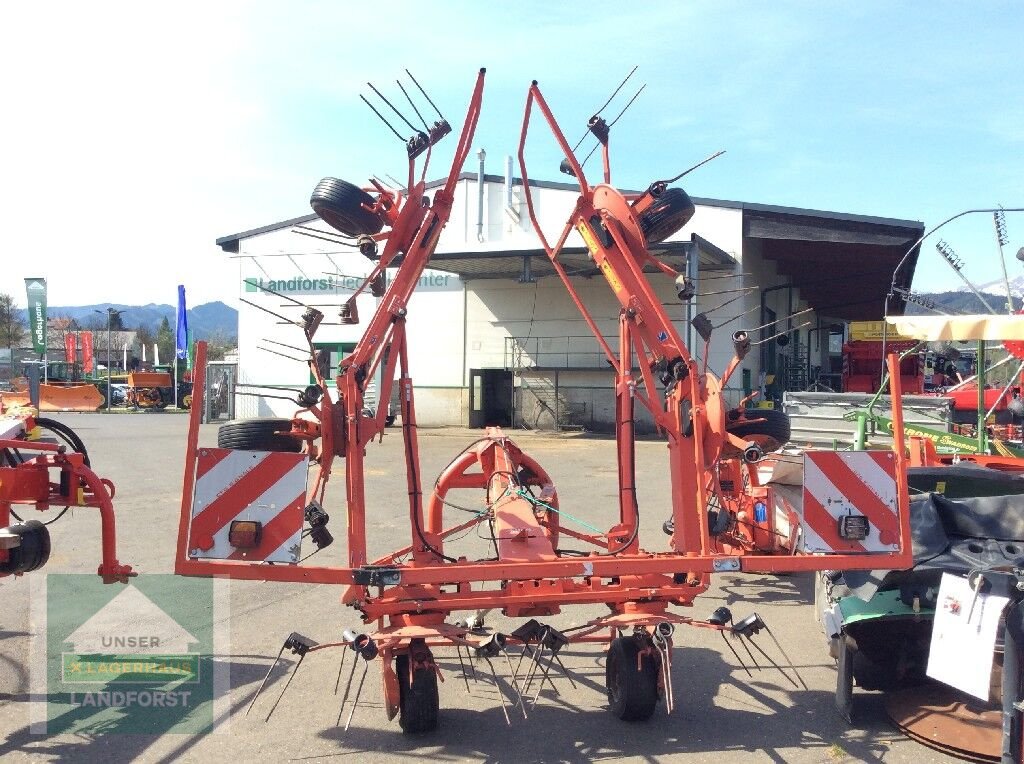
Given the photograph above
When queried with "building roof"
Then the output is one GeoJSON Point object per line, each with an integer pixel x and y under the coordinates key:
{"type": "Point", "coordinates": [854, 256]}
{"type": "Point", "coordinates": [229, 243]}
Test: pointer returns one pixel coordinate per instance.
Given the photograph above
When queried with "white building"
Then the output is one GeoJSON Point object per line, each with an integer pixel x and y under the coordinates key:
{"type": "Point", "coordinates": [492, 333]}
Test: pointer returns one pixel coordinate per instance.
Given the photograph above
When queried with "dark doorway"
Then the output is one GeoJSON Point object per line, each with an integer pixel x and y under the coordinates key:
{"type": "Point", "coordinates": [490, 398]}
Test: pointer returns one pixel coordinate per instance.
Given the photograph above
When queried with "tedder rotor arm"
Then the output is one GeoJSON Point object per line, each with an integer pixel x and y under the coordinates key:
{"type": "Point", "coordinates": [414, 235]}
{"type": "Point", "coordinates": [690, 411]}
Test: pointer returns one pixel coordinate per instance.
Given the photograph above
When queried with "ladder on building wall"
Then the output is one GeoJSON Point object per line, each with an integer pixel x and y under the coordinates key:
{"type": "Point", "coordinates": [551, 404]}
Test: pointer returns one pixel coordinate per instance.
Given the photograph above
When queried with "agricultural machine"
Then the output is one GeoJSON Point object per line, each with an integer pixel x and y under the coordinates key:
{"type": "Point", "coordinates": [44, 466]}
{"type": "Point", "coordinates": [966, 525]}
{"type": "Point", "coordinates": [248, 506]}
{"type": "Point", "coordinates": [66, 388]}
{"type": "Point", "coordinates": [155, 390]}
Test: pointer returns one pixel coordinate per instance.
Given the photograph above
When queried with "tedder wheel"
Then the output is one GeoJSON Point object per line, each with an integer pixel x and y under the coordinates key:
{"type": "Point", "coordinates": [340, 205]}
{"type": "Point", "coordinates": [418, 699]}
{"type": "Point", "coordinates": [33, 551]}
{"type": "Point", "coordinates": [770, 434]}
{"type": "Point", "coordinates": [670, 212]}
{"type": "Point", "coordinates": [65, 433]}
{"type": "Point", "coordinates": [632, 687]}
{"type": "Point", "coordinates": [258, 435]}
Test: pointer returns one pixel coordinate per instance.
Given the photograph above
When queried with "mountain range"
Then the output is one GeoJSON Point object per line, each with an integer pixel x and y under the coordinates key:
{"type": "Point", "coordinates": [206, 321]}
{"type": "Point", "coordinates": [965, 301]}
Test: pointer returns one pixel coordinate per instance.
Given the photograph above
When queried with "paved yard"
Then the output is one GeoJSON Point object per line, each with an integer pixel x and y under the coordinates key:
{"type": "Point", "coordinates": [721, 713]}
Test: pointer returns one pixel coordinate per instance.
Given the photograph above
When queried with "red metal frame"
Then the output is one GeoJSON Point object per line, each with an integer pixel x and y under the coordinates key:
{"type": "Point", "coordinates": [29, 484]}
{"type": "Point", "coordinates": [644, 321]}
{"type": "Point", "coordinates": [521, 501]}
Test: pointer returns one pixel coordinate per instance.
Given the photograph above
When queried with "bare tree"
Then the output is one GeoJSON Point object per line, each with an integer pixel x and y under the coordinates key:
{"type": "Point", "coordinates": [58, 328]}
{"type": "Point", "coordinates": [95, 323]}
{"type": "Point", "coordinates": [145, 336]}
{"type": "Point", "coordinates": [12, 326]}
{"type": "Point", "coordinates": [218, 345]}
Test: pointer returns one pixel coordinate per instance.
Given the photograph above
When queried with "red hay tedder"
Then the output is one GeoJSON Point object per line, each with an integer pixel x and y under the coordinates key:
{"type": "Point", "coordinates": [44, 465]}
{"type": "Point", "coordinates": [852, 511]}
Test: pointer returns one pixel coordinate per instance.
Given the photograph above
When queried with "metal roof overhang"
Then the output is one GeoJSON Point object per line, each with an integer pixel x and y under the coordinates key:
{"type": "Point", "coordinates": [524, 264]}
{"type": "Point", "coordinates": [842, 265]}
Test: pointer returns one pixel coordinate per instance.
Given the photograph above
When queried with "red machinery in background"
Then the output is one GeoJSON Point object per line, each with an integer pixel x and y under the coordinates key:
{"type": "Point", "coordinates": [33, 451]}
{"type": "Point", "coordinates": [722, 519]}
{"type": "Point", "coordinates": [863, 374]}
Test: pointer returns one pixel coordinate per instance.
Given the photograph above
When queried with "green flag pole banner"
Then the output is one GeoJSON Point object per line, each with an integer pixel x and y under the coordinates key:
{"type": "Point", "coordinates": [36, 290]}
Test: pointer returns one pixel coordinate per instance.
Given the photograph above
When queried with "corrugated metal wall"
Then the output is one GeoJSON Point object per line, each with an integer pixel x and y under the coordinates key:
{"type": "Point", "coordinates": [817, 418]}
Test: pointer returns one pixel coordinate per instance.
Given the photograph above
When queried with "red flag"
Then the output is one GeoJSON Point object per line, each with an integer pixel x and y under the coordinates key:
{"type": "Point", "coordinates": [70, 347]}
{"type": "Point", "coordinates": [87, 352]}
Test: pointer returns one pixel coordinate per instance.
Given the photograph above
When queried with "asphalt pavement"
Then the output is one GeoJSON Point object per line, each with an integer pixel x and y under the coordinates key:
{"type": "Point", "coordinates": [722, 714]}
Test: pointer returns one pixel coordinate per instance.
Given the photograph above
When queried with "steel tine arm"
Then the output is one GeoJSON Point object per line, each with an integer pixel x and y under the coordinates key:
{"type": "Point", "coordinates": [774, 664]}
{"type": "Point", "coordinates": [733, 649]}
{"type": "Point", "coordinates": [264, 682]}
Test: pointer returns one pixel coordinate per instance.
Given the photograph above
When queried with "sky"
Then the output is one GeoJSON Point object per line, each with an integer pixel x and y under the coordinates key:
{"type": "Point", "coordinates": [135, 134]}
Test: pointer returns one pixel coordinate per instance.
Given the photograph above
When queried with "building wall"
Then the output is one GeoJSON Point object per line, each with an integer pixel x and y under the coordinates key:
{"type": "Point", "coordinates": [553, 333]}
{"type": "Point", "coordinates": [290, 264]}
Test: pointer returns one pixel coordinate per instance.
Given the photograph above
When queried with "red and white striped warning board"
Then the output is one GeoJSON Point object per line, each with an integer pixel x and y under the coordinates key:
{"type": "Point", "coordinates": [859, 486]}
{"type": "Point", "coordinates": [269, 488]}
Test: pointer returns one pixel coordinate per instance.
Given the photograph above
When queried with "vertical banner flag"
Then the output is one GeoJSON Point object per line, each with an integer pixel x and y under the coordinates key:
{"type": "Point", "coordinates": [36, 290]}
{"type": "Point", "coordinates": [70, 347]}
{"type": "Point", "coordinates": [87, 357]}
{"type": "Point", "coordinates": [181, 331]}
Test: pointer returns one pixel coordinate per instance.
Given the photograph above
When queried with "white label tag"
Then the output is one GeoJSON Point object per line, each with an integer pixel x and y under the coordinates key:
{"type": "Point", "coordinates": [964, 636]}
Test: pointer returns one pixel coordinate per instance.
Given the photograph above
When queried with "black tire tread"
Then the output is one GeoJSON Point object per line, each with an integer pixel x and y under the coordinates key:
{"type": "Point", "coordinates": [638, 694]}
{"type": "Point", "coordinates": [264, 434]}
{"type": "Point", "coordinates": [670, 212]}
{"type": "Point", "coordinates": [340, 204]}
{"type": "Point", "coordinates": [34, 550]}
{"type": "Point", "coordinates": [419, 703]}
{"type": "Point", "coordinates": [70, 436]}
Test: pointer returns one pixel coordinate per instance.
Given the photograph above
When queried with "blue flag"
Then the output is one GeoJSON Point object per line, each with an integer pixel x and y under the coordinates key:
{"type": "Point", "coordinates": [181, 333]}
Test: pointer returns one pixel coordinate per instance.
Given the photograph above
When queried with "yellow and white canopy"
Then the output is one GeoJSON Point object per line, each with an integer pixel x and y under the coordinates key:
{"type": "Point", "coordinates": [960, 328]}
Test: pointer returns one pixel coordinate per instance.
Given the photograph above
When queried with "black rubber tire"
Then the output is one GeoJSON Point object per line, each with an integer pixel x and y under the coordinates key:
{"type": "Point", "coordinates": [69, 436]}
{"type": "Point", "coordinates": [770, 435]}
{"type": "Point", "coordinates": [258, 435]}
{"type": "Point", "coordinates": [339, 204]}
{"type": "Point", "coordinates": [419, 703]}
{"type": "Point", "coordinates": [670, 212]}
{"type": "Point", "coordinates": [632, 694]}
{"type": "Point", "coordinates": [33, 552]}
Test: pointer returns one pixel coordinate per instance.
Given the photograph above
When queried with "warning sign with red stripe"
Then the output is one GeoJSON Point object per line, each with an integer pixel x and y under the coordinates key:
{"type": "Point", "coordinates": [268, 488]}
{"type": "Point", "coordinates": [850, 502]}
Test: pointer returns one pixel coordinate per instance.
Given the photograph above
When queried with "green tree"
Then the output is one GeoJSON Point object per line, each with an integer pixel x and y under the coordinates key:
{"type": "Point", "coordinates": [12, 326]}
{"type": "Point", "coordinates": [165, 341]}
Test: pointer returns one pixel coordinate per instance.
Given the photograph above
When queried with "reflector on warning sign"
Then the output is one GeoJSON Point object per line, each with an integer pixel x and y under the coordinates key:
{"type": "Point", "coordinates": [261, 491]}
{"type": "Point", "coordinates": [849, 502]}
